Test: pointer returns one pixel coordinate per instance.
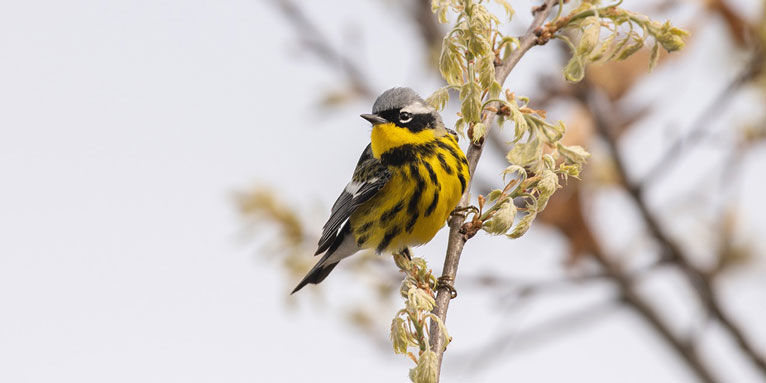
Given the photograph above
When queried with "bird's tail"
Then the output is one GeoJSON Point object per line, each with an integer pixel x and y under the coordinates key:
{"type": "Point", "coordinates": [344, 246]}
{"type": "Point", "coordinates": [317, 274]}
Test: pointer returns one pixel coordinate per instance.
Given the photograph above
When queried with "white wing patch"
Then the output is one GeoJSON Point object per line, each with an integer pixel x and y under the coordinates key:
{"type": "Point", "coordinates": [356, 192]}
{"type": "Point", "coordinates": [353, 188]}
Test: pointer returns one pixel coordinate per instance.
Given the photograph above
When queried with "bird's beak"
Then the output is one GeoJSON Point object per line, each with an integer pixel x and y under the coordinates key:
{"type": "Point", "coordinates": [374, 119]}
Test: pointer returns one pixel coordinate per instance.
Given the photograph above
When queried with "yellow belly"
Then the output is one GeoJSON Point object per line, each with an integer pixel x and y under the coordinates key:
{"type": "Point", "coordinates": [414, 204]}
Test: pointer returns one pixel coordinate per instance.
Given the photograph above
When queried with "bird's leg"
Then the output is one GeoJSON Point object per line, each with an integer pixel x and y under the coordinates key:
{"type": "Point", "coordinates": [406, 252]}
{"type": "Point", "coordinates": [399, 257]}
{"type": "Point", "coordinates": [445, 282]}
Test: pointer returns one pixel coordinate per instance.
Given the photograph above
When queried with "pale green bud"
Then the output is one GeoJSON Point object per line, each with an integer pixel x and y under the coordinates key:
{"type": "Point", "coordinates": [574, 153]}
{"type": "Point", "coordinates": [460, 127]}
{"type": "Point", "coordinates": [421, 267]}
{"type": "Point", "coordinates": [480, 20]}
{"type": "Point", "coordinates": [479, 131]}
{"type": "Point", "coordinates": [486, 68]}
{"type": "Point", "coordinates": [553, 132]}
{"type": "Point", "coordinates": [502, 220]}
{"type": "Point", "coordinates": [439, 98]}
{"type": "Point", "coordinates": [523, 225]}
{"type": "Point", "coordinates": [507, 6]}
{"type": "Point", "coordinates": [620, 46]}
{"type": "Point", "coordinates": [479, 25]}
{"type": "Point", "coordinates": [631, 49]}
{"type": "Point", "coordinates": [547, 185]}
{"type": "Point", "coordinates": [470, 95]}
{"type": "Point", "coordinates": [574, 71]}
{"type": "Point", "coordinates": [654, 57]}
{"type": "Point", "coordinates": [427, 369]}
{"type": "Point", "coordinates": [450, 62]}
{"type": "Point", "coordinates": [671, 38]}
{"type": "Point", "coordinates": [572, 170]}
{"type": "Point", "coordinates": [524, 154]}
{"type": "Point", "coordinates": [478, 45]}
{"type": "Point", "coordinates": [419, 299]}
{"type": "Point", "coordinates": [589, 37]}
{"type": "Point", "coordinates": [401, 338]}
{"type": "Point", "coordinates": [514, 169]}
{"type": "Point", "coordinates": [495, 87]}
{"type": "Point", "coordinates": [519, 122]}
{"type": "Point", "coordinates": [401, 261]}
{"type": "Point", "coordinates": [597, 55]}
{"type": "Point", "coordinates": [549, 161]}
{"type": "Point", "coordinates": [440, 7]}
{"type": "Point", "coordinates": [408, 283]}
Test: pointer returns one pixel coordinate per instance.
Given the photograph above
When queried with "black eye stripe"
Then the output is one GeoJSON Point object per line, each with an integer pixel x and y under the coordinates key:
{"type": "Point", "coordinates": [417, 123]}
{"type": "Point", "coordinates": [390, 115]}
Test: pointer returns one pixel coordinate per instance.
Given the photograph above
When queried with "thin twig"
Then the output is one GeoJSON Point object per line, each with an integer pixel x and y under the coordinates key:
{"type": "Point", "coordinates": [456, 238]}
{"type": "Point", "coordinates": [430, 29]}
{"type": "Point", "coordinates": [700, 126]}
{"type": "Point", "coordinates": [515, 341]}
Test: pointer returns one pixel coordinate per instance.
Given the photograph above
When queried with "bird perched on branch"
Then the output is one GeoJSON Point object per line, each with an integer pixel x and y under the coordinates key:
{"type": "Point", "coordinates": [405, 185]}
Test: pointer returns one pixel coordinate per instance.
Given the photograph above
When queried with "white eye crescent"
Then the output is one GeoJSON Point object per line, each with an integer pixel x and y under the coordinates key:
{"type": "Point", "coordinates": [405, 117]}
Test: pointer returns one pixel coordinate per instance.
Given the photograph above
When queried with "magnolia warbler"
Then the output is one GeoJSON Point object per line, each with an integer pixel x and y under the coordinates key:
{"type": "Point", "coordinates": [405, 185]}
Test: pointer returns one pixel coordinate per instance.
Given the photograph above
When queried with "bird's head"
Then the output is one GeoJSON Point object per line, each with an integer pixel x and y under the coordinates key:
{"type": "Point", "coordinates": [403, 108]}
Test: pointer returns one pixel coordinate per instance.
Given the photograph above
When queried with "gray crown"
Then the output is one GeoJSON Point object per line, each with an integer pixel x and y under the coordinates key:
{"type": "Point", "coordinates": [395, 98]}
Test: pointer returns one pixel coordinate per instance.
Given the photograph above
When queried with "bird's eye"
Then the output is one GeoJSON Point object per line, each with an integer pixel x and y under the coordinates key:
{"type": "Point", "coordinates": [405, 117]}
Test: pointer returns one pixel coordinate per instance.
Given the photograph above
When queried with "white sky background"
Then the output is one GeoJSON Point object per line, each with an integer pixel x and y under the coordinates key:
{"type": "Point", "coordinates": [126, 126]}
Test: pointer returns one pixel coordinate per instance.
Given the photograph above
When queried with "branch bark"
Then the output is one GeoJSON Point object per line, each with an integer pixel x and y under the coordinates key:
{"type": "Point", "coordinates": [457, 239]}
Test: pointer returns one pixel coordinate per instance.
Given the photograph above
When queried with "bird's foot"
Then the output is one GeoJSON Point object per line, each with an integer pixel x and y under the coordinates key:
{"type": "Point", "coordinates": [461, 211]}
{"type": "Point", "coordinates": [402, 258]}
{"type": "Point", "coordinates": [445, 282]}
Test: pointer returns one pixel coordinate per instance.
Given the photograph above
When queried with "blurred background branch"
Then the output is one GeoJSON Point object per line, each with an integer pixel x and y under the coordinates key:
{"type": "Point", "coordinates": [701, 281]}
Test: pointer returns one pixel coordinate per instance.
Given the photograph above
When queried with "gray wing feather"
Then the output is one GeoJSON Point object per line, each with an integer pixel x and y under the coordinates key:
{"type": "Point", "coordinates": [369, 177]}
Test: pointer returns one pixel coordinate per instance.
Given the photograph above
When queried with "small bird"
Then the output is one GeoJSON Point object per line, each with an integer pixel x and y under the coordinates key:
{"type": "Point", "coordinates": [405, 185]}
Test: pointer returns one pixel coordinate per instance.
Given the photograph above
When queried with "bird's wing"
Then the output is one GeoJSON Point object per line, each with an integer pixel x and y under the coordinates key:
{"type": "Point", "coordinates": [369, 177]}
{"type": "Point", "coordinates": [454, 134]}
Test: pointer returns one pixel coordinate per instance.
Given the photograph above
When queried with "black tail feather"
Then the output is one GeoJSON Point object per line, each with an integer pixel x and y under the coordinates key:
{"type": "Point", "coordinates": [320, 271]}
{"type": "Point", "coordinates": [316, 275]}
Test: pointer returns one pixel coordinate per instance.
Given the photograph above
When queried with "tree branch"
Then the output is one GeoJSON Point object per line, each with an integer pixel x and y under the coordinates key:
{"type": "Point", "coordinates": [700, 125]}
{"type": "Point", "coordinates": [652, 317]}
{"type": "Point", "coordinates": [456, 238]}
{"type": "Point", "coordinates": [430, 29]}
{"type": "Point", "coordinates": [702, 282]}
{"type": "Point", "coordinates": [515, 341]}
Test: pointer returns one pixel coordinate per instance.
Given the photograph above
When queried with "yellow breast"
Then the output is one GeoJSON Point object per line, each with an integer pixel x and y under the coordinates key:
{"type": "Point", "coordinates": [428, 176]}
